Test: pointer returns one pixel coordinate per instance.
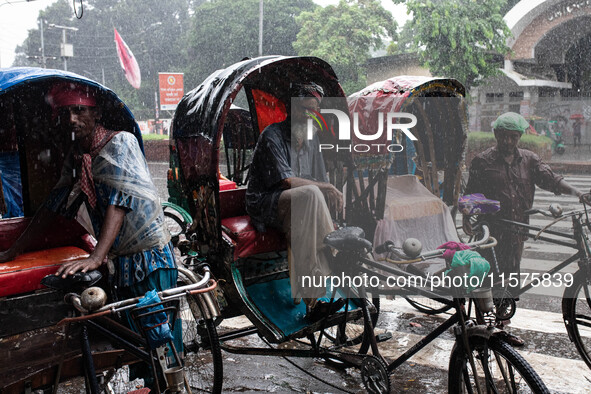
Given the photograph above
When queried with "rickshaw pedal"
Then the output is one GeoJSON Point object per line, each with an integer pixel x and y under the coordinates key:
{"type": "Point", "coordinates": [383, 337]}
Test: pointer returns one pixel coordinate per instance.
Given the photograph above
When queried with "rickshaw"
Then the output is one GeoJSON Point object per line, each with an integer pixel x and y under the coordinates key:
{"type": "Point", "coordinates": [435, 158]}
{"type": "Point", "coordinates": [41, 341]}
{"type": "Point", "coordinates": [215, 128]}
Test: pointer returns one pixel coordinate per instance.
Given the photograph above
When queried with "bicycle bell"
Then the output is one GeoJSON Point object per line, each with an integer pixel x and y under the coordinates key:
{"type": "Point", "coordinates": [93, 298]}
{"type": "Point", "coordinates": [555, 210]}
{"type": "Point", "coordinates": [412, 247]}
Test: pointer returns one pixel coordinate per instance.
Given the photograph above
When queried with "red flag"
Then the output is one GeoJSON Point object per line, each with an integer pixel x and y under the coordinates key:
{"type": "Point", "coordinates": [128, 62]}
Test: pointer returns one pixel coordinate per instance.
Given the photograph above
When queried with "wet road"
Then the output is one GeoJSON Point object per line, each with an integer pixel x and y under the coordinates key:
{"type": "Point", "coordinates": [538, 321]}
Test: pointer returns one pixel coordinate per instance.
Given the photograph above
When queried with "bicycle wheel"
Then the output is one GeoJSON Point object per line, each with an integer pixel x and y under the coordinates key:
{"type": "Point", "coordinates": [203, 355]}
{"type": "Point", "coordinates": [576, 310]}
{"type": "Point", "coordinates": [350, 333]}
{"type": "Point", "coordinates": [499, 368]}
{"type": "Point", "coordinates": [175, 224]}
{"type": "Point", "coordinates": [430, 306]}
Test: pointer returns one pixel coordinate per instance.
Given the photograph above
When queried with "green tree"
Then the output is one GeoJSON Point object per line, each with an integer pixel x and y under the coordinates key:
{"type": "Point", "coordinates": [226, 31]}
{"type": "Point", "coordinates": [154, 30]}
{"type": "Point", "coordinates": [405, 42]}
{"type": "Point", "coordinates": [343, 35]}
{"type": "Point", "coordinates": [459, 38]}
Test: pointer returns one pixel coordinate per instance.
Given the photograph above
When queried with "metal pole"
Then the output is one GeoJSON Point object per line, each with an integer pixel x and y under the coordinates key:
{"type": "Point", "coordinates": [64, 49]}
{"type": "Point", "coordinates": [41, 23]}
{"type": "Point", "coordinates": [156, 103]}
{"type": "Point", "coordinates": [260, 27]}
{"type": "Point", "coordinates": [64, 42]}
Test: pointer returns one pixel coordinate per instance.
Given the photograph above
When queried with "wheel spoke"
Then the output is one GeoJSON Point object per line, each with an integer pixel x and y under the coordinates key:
{"type": "Point", "coordinates": [583, 320]}
{"type": "Point", "coordinates": [467, 382]}
{"type": "Point", "coordinates": [513, 385]}
{"type": "Point", "coordinates": [586, 290]}
{"type": "Point", "coordinates": [351, 332]}
{"type": "Point", "coordinates": [488, 378]}
{"type": "Point", "coordinates": [504, 372]}
{"type": "Point", "coordinates": [498, 369]}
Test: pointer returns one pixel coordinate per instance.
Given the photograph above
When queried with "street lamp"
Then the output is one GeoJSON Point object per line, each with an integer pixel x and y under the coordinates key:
{"type": "Point", "coordinates": [66, 50]}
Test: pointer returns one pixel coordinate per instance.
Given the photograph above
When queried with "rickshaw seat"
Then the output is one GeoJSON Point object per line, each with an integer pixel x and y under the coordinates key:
{"type": "Point", "coordinates": [247, 241]}
{"type": "Point", "coordinates": [24, 274]}
{"type": "Point", "coordinates": [232, 203]}
{"type": "Point", "coordinates": [70, 233]}
{"type": "Point", "coordinates": [237, 225]}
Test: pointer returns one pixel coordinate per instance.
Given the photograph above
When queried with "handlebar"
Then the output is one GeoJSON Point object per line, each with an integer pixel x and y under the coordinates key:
{"type": "Point", "coordinates": [204, 285]}
{"type": "Point", "coordinates": [555, 210]}
{"type": "Point", "coordinates": [484, 243]}
{"type": "Point", "coordinates": [387, 246]}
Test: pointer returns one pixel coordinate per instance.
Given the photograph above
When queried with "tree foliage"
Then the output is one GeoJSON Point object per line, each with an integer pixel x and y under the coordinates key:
{"type": "Point", "coordinates": [226, 31]}
{"type": "Point", "coordinates": [343, 35]}
{"type": "Point", "coordinates": [198, 37]}
{"type": "Point", "coordinates": [459, 38]}
{"type": "Point", "coordinates": [154, 34]}
{"type": "Point", "coordinates": [405, 42]}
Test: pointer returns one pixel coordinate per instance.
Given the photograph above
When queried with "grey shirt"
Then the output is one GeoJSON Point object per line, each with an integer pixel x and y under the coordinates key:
{"type": "Point", "coordinates": [274, 160]}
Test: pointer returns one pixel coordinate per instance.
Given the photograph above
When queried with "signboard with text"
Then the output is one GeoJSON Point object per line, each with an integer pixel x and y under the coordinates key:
{"type": "Point", "coordinates": [171, 90]}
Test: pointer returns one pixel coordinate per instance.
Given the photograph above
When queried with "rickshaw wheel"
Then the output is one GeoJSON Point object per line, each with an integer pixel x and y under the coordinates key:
{"type": "Point", "coordinates": [505, 306]}
{"type": "Point", "coordinates": [428, 305]}
{"type": "Point", "coordinates": [353, 329]}
{"type": "Point", "coordinates": [374, 375]}
{"type": "Point", "coordinates": [201, 346]}
{"type": "Point", "coordinates": [175, 224]}
{"type": "Point", "coordinates": [499, 369]}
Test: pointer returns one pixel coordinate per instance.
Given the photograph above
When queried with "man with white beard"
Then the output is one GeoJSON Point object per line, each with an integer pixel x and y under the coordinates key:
{"type": "Point", "coordinates": [288, 189]}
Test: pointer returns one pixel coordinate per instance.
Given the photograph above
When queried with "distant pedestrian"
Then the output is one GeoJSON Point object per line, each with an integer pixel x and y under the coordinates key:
{"type": "Point", "coordinates": [577, 131]}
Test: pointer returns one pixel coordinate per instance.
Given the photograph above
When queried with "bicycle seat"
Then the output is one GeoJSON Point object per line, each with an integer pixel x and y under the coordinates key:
{"type": "Point", "coordinates": [76, 283]}
{"type": "Point", "coordinates": [348, 239]}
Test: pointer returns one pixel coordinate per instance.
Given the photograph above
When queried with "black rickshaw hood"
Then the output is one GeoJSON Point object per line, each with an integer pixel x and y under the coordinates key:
{"type": "Point", "coordinates": [202, 110]}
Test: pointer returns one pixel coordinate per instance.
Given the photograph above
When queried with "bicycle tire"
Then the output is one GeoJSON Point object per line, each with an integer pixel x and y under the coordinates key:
{"type": "Point", "coordinates": [354, 329]}
{"type": "Point", "coordinates": [203, 354]}
{"type": "Point", "coordinates": [576, 311]}
{"type": "Point", "coordinates": [175, 224]}
{"type": "Point", "coordinates": [429, 306]}
{"type": "Point", "coordinates": [518, 376]}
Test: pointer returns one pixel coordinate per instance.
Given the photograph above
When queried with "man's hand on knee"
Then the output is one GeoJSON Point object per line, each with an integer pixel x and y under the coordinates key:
{"type": "Point", "coordinates": [334, 198]}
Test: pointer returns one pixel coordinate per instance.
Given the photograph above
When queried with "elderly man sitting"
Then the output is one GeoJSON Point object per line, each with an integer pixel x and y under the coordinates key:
{"type": "Point", "coordinates": [288, 189]}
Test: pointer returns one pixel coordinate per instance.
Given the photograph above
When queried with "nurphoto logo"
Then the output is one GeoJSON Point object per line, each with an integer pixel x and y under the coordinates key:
{"type": "Point", "coordinates": [363, 141]}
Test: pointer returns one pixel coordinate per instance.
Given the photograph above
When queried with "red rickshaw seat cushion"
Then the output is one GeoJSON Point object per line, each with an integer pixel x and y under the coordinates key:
{"type": "Point", "coordinates": [70, 233]}
{"type": "Point", "coordinates": [247, 241]}
{"type": "Point", "coordinates": [24, 273]}
{"type": "Point", "coordinates": [238, 227]}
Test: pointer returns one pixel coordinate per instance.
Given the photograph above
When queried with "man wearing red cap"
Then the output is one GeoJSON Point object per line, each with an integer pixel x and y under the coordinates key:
{"type": "Point", "coordinates": [105, 178]}
{"type": "Point", "coordinates": [288, 189]}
